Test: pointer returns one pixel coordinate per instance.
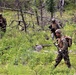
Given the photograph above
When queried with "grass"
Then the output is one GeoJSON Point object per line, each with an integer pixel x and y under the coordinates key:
{"type": "Point", "coordinates": [18, 56]}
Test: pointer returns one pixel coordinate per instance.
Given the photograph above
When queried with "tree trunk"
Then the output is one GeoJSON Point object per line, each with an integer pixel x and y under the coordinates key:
{"type": "Point", "coordinates": [51, 15]}
{"type": "Point", "coordinates": [61, 12]}
{"type": "Point", "coordinates": [22, 16]}
{"type": "Point", "coordinates": [36, 12]}
{"type": "Point", "coordinates": [23, 19]}
{"type": "Point", "coordinates": [37, 18]}
{"type": "Point", "coordinates": [32, 21]}
{"type": "Point", "coordinates": [1, 10]}
{"type": "Point", "coordinates": [75, 1]}
{"type": "Point", "coordinates": [41, 9]}
{"type": "Point", "coordinates": [61, 7]}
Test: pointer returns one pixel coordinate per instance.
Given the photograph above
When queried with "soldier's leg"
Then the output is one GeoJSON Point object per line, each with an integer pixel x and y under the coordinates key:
{"type": "Point", "coordinates": [67, 60]}
{"type": "Point", "coordinates": [52, 35]}
{"type": "Point", "coordinates": [58, 59]}
{"type": "Point", "coordinates": [4, 28]}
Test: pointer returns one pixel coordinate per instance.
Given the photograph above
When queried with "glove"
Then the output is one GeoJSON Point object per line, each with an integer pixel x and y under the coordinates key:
{"type": "Point", "coordinates": [61, 51]}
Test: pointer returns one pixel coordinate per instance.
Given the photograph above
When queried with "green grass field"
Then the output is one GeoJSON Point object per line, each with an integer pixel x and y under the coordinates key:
{"type": "Point", "coordinates": [18, 56]}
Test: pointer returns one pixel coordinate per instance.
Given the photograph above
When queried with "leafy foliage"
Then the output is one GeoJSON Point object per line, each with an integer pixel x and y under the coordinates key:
{"type": "Point", "coordinates": [50, 5]}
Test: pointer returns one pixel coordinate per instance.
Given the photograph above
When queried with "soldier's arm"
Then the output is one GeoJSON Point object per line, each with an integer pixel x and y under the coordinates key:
{"type": "Point", "coordinates": [65, 45]}
{"type": "Point", "coordinates": [50, 26]}
{"type": "Point", "coordinates": [58, 26]}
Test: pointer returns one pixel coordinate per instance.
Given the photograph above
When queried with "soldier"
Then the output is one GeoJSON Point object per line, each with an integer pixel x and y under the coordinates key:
{"type": "Point", "coordinates": [2, 24]}
{"type": "Point", "coordinates": [54, 26]}
{"type": "Point", "coordinates": [62, 46]}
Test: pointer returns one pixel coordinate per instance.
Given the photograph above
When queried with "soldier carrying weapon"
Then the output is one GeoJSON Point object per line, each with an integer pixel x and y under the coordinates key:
{"type": "Point", "coordinates": [53, 27]}
{"type": "Point", "coordinates": [62, 46]}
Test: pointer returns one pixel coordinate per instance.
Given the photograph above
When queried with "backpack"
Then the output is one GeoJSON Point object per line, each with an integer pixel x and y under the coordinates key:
{"type": "Point", "coordinates": [69, 40]}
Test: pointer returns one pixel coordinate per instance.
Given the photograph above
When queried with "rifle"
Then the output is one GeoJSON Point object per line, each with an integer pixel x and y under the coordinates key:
{"type": "Point", "coordinates": [59, 50]}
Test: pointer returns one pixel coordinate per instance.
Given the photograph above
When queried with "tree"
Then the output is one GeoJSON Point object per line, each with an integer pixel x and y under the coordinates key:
{"type": "Point", "coordinates": [75, 1]}
{"type": "Point", "coordinates": [41, 4]}
{"type": "Point", "coordinates": [21, 12]}
{"type": "Point", "coordinates": [50, 7]}
{"type": "Point", "coordinates": [1, 5]}
{"type": "Point", "coordinates": [61, 6]}
{"type": "Point", "coordinates": [36, 12]}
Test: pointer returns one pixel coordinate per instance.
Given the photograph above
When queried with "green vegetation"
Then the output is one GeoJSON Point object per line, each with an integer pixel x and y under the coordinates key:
{"type": "Point", "coordinates": [18, 56]}
{"type": "Point", "coordinates": [17, 48]}
{"type": "Point", "coordinates": [50, 6]}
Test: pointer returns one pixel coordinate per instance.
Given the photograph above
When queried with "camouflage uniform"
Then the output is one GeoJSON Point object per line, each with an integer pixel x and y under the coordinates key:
{"type": "Point", "coordinates": [2, 24]}
{"type": "Point", "coordinates": [62, 51]}
{"type": "Point", "coordinates": [54, 26]}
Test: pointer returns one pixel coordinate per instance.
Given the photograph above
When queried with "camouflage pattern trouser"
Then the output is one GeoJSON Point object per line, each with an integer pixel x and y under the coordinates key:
{"type": "Point", "coordinates": [53, 35]}
{"type": "Point", "coordinates": [65, 56]}
{"type": "Point", "coordinates": [2, 31]}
